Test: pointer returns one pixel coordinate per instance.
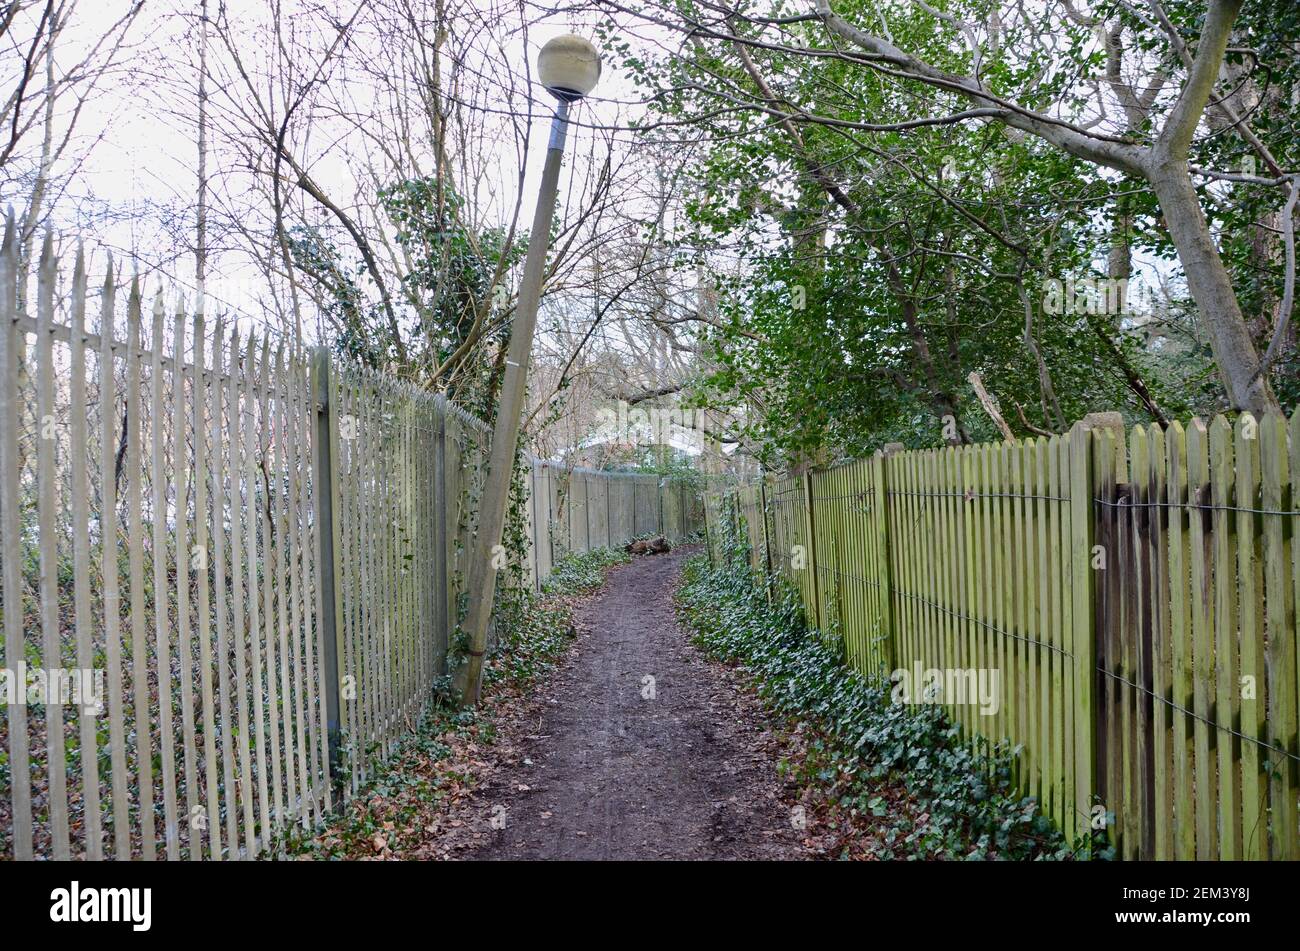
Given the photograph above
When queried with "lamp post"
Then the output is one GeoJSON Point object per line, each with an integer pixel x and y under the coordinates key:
{"type": "Point", "coordinates": [569, 67]}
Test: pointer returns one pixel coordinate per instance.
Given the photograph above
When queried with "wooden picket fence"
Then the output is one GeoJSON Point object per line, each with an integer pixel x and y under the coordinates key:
{"type": "Point", "coordinates": [580, 509]}
{"type": "Point", "coordinates": [1137, 597]}
{"type": "Point", "coordinates": [261, 550]}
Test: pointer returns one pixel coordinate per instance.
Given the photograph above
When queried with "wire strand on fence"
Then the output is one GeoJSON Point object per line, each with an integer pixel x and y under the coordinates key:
{"type": "Point", "coordinates": [970, 496]}
{"type": "Point", "coordinates": [851, 577]}
{"type": "Point", "coordinates": [985, 624]}
{"type": "Point", "coordinates": [1195, 716]}
{"type": "Point", "coordinates": [1194, 506]}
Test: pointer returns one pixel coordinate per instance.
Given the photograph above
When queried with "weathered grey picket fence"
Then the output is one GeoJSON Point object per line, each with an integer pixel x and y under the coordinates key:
{"type": "Point", "coordinates": [259, 552]}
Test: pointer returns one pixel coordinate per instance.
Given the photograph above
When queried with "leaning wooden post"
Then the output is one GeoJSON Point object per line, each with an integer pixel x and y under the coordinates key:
{"type": "Point", "coordinates": [325, 492]}
{"type": "Point", "coordinates": [1083, 639]}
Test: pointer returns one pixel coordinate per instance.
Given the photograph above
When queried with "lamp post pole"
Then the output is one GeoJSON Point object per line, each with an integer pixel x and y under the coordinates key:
{"type": "Point", "coordinates": [488, 556]}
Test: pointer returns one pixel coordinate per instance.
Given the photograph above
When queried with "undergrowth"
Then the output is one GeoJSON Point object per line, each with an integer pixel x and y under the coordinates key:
{"type": "Point", "coordinates": [929, 795]}
{"type": "Point", "coordinates": [397, 810]}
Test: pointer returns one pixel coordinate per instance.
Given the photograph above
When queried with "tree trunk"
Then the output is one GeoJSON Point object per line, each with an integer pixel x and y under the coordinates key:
{"type": "Point", "coordinates": [943, 402]}
{"type": "Point", "coordinates": [1119, 267]}
{"type": "Point", "coordinates": [1211, 289]}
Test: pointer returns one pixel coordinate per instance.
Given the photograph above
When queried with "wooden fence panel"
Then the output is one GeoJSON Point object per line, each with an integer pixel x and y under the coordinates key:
{"type": "Point", "coordinates": [599, 511]}
{"type": "Point", "coordinates": [579, 524]}
{"type": "Point", "coordinates": [1136, 594]}
{"type": "Point", "coordinates": [671, 509]}
{"type": "Point", "coordinates": [1280, 641]}
{"type": "Point", "coordinates": [788, 500]}
{"type": "Point", "coordinates": [1217, 535]}
{"type": "Point", "coordinates": [583, 509]}
{"type": "Point", "coordinates": [542, 516]}
{"type": "Point", "coordinates": [825, 540]}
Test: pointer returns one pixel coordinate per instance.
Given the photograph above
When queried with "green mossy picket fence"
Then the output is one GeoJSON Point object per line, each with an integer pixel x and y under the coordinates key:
{"type": "Point", "coordinates": [1137, 596]}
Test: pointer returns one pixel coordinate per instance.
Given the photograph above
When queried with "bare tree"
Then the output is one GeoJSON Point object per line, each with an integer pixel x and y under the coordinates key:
{"type": "Point", "coordinates": [47, 77]}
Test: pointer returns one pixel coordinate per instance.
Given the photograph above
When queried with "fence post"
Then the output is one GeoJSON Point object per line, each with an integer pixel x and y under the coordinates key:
{"type": "Point", "coordinates": [812, 547]}
{"type": "Point", "coordinates": [734, 495]}
{"type": "Point", "coordinates": [708, 534]}
{"type": "Point", "coordinates": [325, 491]}
{"type": "Point", "coordinates": [535, 554]}
{"type": "Point", "coordinates": [1083, 606]}
{"type": "Point", "coordinates": [441, 579]}
{"type": "Point", "coordinates": [659, 495]}
{"type": "Point", "coordinates": [586, 506]}
{"type": "Point", "coordinates": [883, 566]}
{"type": "Point", "coordinates": [767, 542]}
{"type": "Point", "coordinates": [632, 482]}
{"type": "Point", "coordinates": [609, 519]}
{"type": "Point", "coordinates": [552, 500]}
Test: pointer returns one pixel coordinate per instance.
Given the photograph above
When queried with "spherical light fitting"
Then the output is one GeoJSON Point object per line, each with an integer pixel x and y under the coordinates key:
{"type": "Point", "coordinates": [569, 67]}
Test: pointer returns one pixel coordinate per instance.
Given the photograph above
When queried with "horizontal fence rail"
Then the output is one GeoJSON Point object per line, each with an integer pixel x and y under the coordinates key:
{"type": "Point", "coordinates": [1135, 595]}
{"type": "Point", "coordinates": [230, 570]}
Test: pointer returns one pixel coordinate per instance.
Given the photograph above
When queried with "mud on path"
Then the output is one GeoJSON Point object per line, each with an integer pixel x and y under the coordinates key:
{"type": "Point", "coordinates": [600, 770]}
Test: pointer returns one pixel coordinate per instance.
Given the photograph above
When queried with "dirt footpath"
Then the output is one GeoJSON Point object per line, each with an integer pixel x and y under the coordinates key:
{"type": "Point", "coordinates": [641, 748]}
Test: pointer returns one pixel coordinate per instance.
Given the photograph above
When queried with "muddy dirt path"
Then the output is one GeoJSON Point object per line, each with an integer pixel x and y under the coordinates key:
{"type": "Point", "coordinates": [612, 769]}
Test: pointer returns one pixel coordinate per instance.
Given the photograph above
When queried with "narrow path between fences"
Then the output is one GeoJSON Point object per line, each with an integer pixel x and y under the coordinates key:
{"type": "Point", "coordinates": [622, 766]}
